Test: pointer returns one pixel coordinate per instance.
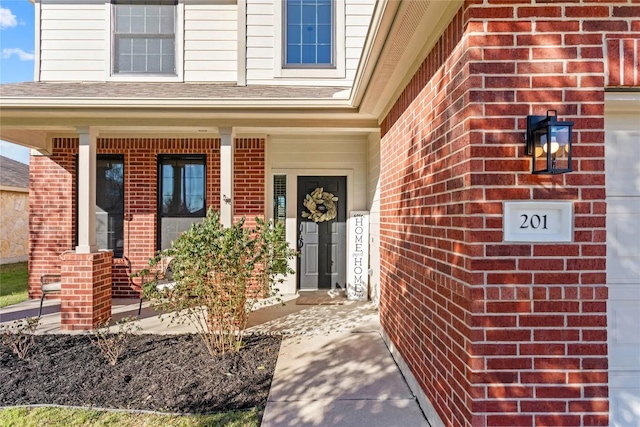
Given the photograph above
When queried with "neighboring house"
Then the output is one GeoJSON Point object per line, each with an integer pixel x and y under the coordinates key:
{"type": "Point", "coordinates": [414, 111]}
{"type": "Point", "coordinates": [14, 211]}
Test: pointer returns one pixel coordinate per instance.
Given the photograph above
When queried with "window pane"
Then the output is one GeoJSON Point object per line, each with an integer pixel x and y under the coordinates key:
{"type": "Point", "coordinates": [308, 34]}
{"type": "Point", "coordinates": [110, 204]}
{"type": "Point", "coordinates": [139, 63]}
{"type": "Point", "coordinates": [294, 34]}
{"type": "Point", "coordinates": [183, 186]}
{"type": "Point", "coordinates": [294, 55]}
{"type": "Point", "coordinates": [294, 13]}
{"type": "Point", "coordinates": [324, 34]}
{"type": "Point", "coordinates": [324, 54]}
{"type": "Point", "coordinates": [171, 228]}
{"type": "Point", "coordinates": [309, 54]}
{"type": "Point", "coordinates": [308, 14]}
{"type": "Point", "coordinates": [182, 195]}
{"type": "Point", "coordinates": [151, 36]}
{"type": "Point", "coordinates": [153, 46]}
{"type": "Point", "coordinates": [280, 198]}
{"type": "Point", "coordinates": [324, 14]}
{"type": "Point", "coordinates": [310, 23]}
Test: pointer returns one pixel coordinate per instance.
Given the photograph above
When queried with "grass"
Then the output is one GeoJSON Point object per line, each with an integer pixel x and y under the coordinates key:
{"type": "Point", "coordinates": [53, 417]}
{"type": "Point", "coordinates": [13, 283]}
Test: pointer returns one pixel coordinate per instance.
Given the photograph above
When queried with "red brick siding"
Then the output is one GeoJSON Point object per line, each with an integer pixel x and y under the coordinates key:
{"type": "Point", "coordinates": [86, 290]}
{"type": "Point", "coordinates": [499, 333]}
{"type": "Point", "coordinates": [249, 180]}
{"type": "Point", "coordinates": [623, 60]}
{"type": "Point", "coordinates": [52, 206]}
{"type": "Point", "coordinates": [51, 210]}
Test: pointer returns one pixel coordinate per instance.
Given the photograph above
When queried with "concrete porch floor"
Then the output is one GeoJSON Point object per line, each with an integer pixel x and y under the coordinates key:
{"type": "Point", "coordinates": [333, 367]}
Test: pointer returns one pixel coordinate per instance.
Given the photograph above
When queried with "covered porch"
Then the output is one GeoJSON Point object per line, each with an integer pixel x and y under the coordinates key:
{"type": "Point", "coordinates": [111, 140]}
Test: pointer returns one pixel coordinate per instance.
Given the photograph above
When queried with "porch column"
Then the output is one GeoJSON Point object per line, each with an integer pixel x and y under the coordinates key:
{"type": "Point", "coordinates": [226, 176]}
{"type": "Point", "coordinates": [87, 191]}
{"type": "Point", "coordinates": [85, 300]}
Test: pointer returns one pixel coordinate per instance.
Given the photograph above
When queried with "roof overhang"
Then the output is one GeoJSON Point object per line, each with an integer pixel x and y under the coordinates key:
{"type": "Point", "coordinates": [401, 35]}
{"type": "Point", "coordinates": [31, 120]}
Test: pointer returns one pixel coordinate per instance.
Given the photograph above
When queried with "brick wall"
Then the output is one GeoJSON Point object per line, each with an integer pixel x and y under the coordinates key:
{"type": "Point", "coordinates": [249, 180]}
{"type": "Point", "coordinates": [499, 333]}
{"type": "Point", "coordinates": [86, 290]}
{"type": "Point", "coordinates": [52, 211]}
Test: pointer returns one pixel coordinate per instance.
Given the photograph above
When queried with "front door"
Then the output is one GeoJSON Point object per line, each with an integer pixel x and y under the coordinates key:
{"type": "Point", "coordinates": [322, 232]}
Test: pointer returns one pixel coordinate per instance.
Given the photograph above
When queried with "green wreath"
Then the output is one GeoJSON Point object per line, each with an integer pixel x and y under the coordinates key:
{"type": "Point", "coordinates": [321, 205]}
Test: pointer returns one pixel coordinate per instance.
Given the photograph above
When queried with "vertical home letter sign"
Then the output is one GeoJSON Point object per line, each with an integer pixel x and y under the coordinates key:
{"type": "Point", "coordinates": [358, 262]}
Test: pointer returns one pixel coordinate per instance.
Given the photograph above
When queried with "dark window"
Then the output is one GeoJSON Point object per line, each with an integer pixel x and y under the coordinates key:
{"type": "Point", "coordinates": [309, 33]}
{"type": "Point", "coordinates": [110, 203]}
{"type": "Point", "coordinates": [280, 198]}
{"type": "Point", "coordinates": [144, 37]}
{"type": "Point", "coordinates": [181, 195]}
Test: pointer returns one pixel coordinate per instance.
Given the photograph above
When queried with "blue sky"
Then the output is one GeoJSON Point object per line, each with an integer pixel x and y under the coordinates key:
{"type": "Point", "coordinates": [16, 55]}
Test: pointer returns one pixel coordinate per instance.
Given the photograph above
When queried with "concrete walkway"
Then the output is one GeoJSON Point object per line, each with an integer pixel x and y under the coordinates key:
{"type": "Point", "coordinates": [333, 368]}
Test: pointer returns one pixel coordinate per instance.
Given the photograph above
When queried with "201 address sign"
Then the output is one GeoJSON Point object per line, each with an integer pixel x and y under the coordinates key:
{"type": "Point", "coordinates": [538, 221]}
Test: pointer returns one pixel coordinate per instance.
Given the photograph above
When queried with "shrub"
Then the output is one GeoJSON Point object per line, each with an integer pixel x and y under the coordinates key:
{"type": "Point", "coordinates": [19, 337]}
{"type": "Point", "coordinates": [112, 345]}
{"type": "Point", "coordinates": [220, 275]}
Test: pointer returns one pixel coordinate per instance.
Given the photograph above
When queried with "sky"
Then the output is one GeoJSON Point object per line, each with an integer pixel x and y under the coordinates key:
{"type": "Point", "coordinates": [16, 56]}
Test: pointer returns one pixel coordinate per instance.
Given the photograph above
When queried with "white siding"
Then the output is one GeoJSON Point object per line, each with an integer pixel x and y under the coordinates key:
{"type": "Point", "coordinates": [211, 42]}
{"type": "Point", "coordinates": [74, 40]}
{"type": "Point", "coordinates": [263, 37]}
{"type": "Point", "coordinates": [373, 193]}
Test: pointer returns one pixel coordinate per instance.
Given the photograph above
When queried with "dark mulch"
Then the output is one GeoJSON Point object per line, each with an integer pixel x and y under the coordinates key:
{"type": "Point", "coordinates": [156, 372]}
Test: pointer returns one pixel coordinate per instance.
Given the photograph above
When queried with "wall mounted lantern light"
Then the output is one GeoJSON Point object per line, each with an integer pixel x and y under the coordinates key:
{"type": "Point", "coordinates": [549, 142]}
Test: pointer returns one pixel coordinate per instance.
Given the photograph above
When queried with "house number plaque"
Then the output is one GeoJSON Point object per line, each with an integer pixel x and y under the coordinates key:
{"type": "Point", "coordinates": [538, 221]}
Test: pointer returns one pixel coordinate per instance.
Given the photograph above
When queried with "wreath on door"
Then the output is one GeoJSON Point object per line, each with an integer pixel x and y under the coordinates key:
{"type": "Point", "coordinates": [321, 205]}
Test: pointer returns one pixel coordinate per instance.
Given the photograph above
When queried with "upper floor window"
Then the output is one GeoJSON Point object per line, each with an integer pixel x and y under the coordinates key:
{"type": "Point", "coordinates": [144, 37]}
{"type": "Point", "coordinates": [309, 34]}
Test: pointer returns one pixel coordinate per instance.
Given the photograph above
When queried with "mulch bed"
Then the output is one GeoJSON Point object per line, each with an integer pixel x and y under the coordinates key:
{"type": "Point", "coordinates": [169, 373]}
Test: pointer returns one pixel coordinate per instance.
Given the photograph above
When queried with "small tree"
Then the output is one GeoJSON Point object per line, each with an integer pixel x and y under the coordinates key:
{"type": "Point", "coordinates": [220, 274]}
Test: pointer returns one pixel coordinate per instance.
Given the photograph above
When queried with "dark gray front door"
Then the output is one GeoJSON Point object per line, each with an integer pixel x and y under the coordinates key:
{"type": "Point", "coordinates": [323, 245]}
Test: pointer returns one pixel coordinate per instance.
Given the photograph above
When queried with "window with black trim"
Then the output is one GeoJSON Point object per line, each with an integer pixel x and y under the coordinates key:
{"type": "Point", "coordinates": [181, 197]}
{"type": "Point", "coordinates": [280, 198]}
{"type": "Point", "coordinates": [309, 33]}
{"type": "Point", "coordinates": [144, 37]}
{"type": "Point", "coordinates": [110, 203]}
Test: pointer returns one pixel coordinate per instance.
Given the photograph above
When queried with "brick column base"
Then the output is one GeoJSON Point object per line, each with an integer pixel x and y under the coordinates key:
{"type": "Point", "coordinates": [85, 300]}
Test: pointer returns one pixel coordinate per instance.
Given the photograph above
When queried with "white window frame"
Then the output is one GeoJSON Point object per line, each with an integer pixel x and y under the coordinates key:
{"type": "Point", "coordinates": [142, 77]}
{"type": "Point", "coordinates": [337, 71]}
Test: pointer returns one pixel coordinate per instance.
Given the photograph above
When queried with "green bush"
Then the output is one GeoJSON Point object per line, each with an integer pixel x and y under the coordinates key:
{"type": "Point", "coordinates": [220, 275]}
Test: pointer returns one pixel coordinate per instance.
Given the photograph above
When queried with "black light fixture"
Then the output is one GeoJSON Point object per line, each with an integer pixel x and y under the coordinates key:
{"type": "Point", "coordinates": [549, 142]}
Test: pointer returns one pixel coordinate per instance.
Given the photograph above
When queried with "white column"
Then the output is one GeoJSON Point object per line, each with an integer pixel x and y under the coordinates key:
{"type": "Point", "coordinates": [87, 190]}
{"type": "Point", "coordinates": [226, 176]}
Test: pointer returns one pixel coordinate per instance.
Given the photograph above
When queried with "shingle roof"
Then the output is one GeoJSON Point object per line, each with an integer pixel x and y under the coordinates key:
{"type": "Point", "coordinates": [164, 91]}
{"type": "Point", "coordinates": [13, 173]}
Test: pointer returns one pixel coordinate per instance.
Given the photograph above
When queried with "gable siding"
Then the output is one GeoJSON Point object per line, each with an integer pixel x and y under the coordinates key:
{"type": "Point", "coordinates": [210, 42]}
{"type": "Point", "coordinates": [74, 40]}
{"type": "Point", "coordinates": [263, 39]}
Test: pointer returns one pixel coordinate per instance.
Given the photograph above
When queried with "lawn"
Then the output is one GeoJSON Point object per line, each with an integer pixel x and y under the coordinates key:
{"type": "Point", "coordinates": [53, 417]}
{"type": "Point", "coordinates": [13, 283]}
